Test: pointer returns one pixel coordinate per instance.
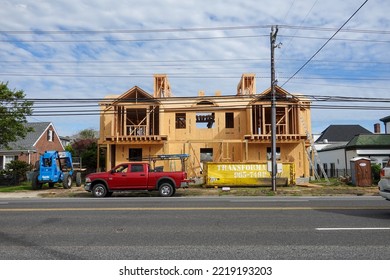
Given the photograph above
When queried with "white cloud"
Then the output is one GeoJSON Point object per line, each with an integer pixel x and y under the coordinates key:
{"type": "Point", "coordinates": [93, 65]}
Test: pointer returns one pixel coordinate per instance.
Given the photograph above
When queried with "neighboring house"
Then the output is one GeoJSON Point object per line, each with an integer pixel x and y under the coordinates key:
{"type": "Point", "coordinates": [335, 156]}
{"type": "Point", "coordinates": [336, 135]}
{"type": "Point", "coordinates": [386, 121]}
{"type": "Point", "coordinates": [43, 137]}
{"type": "Point", "coordinates": [65, 141]}
{"type": "Point", "coordinates": [233, 128]}
{"type": "Point", "coordinates": [373, 146]}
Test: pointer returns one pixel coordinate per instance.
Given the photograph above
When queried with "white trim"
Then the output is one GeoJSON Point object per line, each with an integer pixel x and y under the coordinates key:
{"type": "Point", "coordinates": [4, 159]}
{"type": "Point", "coordinates": [372, 152]}
{"type": "Point", "coordinates": [45, 132]}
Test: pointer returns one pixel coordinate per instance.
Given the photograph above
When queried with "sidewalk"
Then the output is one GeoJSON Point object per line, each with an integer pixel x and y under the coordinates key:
{"type": "Point", "coordinates": [45, 193]}
{"type": "Point", "coordinates": [307, 190]}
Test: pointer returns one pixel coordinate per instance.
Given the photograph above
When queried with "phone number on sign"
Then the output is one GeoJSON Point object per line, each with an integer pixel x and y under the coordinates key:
{"type": "Point", "coordinates": [226, 271]}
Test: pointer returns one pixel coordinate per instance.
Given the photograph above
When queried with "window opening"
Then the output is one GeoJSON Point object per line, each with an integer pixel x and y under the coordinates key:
{"type": "Point", "coordinates": [206, 154]}
{"type": "Point", "coordinates": [50, 135]}
{"type": "Point", "coordinates": [180, 120]}
{"type": "Point", "coordinates": [135, 154]}
{"type": "Point", "coordinates": [205, 120]}
{"type": "Point", "coordinates": [229, 120]}
{"type": "Point", "coordinates": [269, 153]}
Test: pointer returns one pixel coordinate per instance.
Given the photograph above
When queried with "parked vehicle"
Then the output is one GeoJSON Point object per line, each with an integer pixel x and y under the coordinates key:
{"type": "Point", "coordinates": [54, 167]}
{"type": "Point", "coordinates": [135, 176]}
{"type": "Point", "coordinates": [384, 183]}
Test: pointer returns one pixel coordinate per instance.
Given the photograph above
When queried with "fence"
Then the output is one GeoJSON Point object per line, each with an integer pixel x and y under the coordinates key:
{"type": "Point", "coordinates": [9, 180]}
{"type": "Point", "coordinates": [334, 173]}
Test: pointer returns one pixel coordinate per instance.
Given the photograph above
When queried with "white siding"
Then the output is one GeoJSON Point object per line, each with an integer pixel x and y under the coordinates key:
{"type": "Point", "coordinates": [387, 127]}
{"type": "Point", "coordinates": [333, 156]}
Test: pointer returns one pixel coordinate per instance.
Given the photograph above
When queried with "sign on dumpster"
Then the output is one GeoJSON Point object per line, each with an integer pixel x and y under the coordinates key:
{"type": "Point", "coordinates": [246, 174]}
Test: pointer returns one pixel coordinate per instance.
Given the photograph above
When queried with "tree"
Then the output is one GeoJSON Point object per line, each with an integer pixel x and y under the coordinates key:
{"type": "Point", "coordinates": [86, 148]}
{"type": "Point", "coordinates": [13, 112]}
{"type": "Point", "coordinates": [87, 134]}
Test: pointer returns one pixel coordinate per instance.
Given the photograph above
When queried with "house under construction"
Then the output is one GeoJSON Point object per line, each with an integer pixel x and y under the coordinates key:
{"type": "Point", "coordinates": [234, 128]}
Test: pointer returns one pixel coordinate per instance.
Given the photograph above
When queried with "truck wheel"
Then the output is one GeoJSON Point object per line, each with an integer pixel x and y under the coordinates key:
{"type": "Point", "coordinates": [166, 190]}
{"type": "Point", "coordinates": [34, 182]}
{"type": "Point", "coordinates": [78, 179]}
{"type": "Point", "coordinates": [99, 190]}
{"type": "Point", "coordinates": [67, 182]}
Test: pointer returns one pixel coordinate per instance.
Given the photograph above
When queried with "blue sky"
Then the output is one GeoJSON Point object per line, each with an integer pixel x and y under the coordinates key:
{"type": "Point", "coordinates": [90, 49]}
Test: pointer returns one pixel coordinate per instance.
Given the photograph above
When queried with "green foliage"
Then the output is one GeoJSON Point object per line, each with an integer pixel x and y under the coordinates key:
{"type": "Point", "coordinates": [375, 171]}
{"type": "Point", "coordinates": [69, 149]}
{"type": "Point", "coordinates": [13, 112]}
{"type": "Point", "coordinates": [87, 134]}
{"type": "Point", "coordinates": [16, 170]}
{"type": "Point", "coordinates": [86, 148]}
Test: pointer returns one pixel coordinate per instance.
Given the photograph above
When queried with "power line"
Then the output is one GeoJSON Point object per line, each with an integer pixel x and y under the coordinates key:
{"type": "Point", "coordinates": [137, 61]}
{"type": "Point", "coordinates": [184, 61]}
{"type": "Point", "coordinates": [109, 40]}
{"type": "Point", "coordinates": [221, 99]}
{"type": "Point", "coordinates": [91, 106]}
{"type": "Point", "coordinates": [307, 62]}
{"type": "Point", "coordinates": [329, 29]}
{"type": "Point", "coordinates": [98, 112]}
{"type": "Point", "coordinates": [339, 39]}
{"type": "Point", "coordinates": [181, 75]}
{"type": "Point", "coordinates": [126, 31]}
{"type": "Point", "coordinates": [304, 19]}
{"type": "Point", "coordinates": [195, 29]}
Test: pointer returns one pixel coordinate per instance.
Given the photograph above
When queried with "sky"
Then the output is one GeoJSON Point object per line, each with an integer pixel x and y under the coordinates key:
{"type": "Point", "coordinates": [67, 55]}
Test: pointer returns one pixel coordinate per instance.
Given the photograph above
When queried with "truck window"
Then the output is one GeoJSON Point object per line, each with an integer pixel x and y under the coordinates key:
{"type": "Point", "coordinates": [137, 168]}
{"type": "Point", "coordinates": [47, 162]}
{"type": "Point", "coordinates": [121, 169]}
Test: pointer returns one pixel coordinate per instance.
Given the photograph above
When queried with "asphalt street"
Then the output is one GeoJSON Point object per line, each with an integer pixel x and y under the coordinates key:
{"type": "Point", "coordinates": [231, 228]}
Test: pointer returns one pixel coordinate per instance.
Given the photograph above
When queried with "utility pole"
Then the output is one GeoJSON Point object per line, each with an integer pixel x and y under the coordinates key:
{"type": "Point", "coordinates": [273, 34]}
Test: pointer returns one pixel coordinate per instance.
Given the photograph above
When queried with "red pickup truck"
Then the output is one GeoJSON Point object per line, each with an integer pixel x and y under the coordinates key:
{"type": "Point", "coordinates": [135, 176]}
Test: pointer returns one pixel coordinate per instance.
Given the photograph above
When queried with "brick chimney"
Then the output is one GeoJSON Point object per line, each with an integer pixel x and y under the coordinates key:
{"type": "Point", "coordinates": [377, 128]}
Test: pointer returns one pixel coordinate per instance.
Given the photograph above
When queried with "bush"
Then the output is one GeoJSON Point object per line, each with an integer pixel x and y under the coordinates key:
{"type": "Point", "coordinates": [376, 172]}
{"type": "Point", "coordinates": [16, 170]}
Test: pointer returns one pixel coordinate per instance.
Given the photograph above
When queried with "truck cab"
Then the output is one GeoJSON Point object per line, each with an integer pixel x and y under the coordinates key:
{"type": "Point", "coordinates": [135, 176]}
{"type": "Point", "coordinates": [129, 175]}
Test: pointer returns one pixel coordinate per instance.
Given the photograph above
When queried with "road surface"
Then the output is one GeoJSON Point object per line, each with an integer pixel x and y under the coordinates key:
{"type": "Point", "coordinates": [195, 228]}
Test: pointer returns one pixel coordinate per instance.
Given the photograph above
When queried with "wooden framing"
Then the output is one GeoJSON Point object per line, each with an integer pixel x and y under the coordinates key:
{"type": "Point", "coordinates": [162, 88]}
{"type": "Point", "coordinates": [232, 128]}
{"type": "Point", "coordinates": [247, 85]}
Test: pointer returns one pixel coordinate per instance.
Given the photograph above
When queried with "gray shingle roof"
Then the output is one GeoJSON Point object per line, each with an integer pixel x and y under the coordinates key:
{"type": "Point", "coordinates": [28, 142]}
{"type": "Point", "coordinates": [341, 133]}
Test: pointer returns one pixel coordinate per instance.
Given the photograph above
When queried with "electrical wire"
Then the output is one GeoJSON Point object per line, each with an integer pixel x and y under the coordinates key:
{"type": "Point", "coordinates": [320, 49]}
{"type": "Point", "coordinates": [183, 30]}
{"type": "Point", "coordinates": [90, 107]}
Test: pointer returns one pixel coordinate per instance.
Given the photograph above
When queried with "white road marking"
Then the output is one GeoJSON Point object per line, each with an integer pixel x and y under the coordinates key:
{"type": "Point", "coordinates": [345, 229]}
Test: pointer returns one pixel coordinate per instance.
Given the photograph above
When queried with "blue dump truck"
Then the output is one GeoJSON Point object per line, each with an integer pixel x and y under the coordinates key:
{"type": "Point", "coordinates": [55, 167]}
